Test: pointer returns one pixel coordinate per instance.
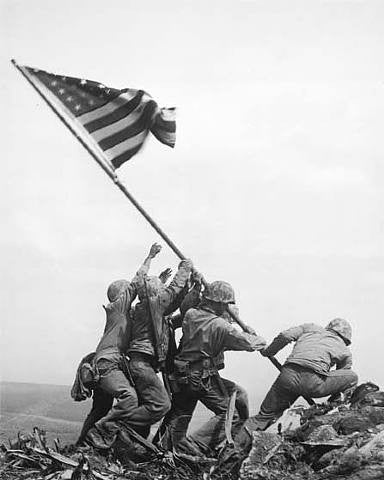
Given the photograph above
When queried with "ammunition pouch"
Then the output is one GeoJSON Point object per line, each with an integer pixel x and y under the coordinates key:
{"type": "Point", "coordinates": [181, 372]}
{"type": "Point", "coordinates": [195, 374]}
{"type": "Point", "coordinates": [88, 374]}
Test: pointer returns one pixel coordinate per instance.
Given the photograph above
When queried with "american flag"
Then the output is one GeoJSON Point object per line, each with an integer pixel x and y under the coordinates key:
{"type": "Point", "coordinates": [116, 121]}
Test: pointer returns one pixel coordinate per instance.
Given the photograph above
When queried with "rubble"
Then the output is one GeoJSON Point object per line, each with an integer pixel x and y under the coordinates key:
{"type": "Point", "coordinates": [338, 440]}
{"type": "Point", "coordinates": [328, 441]}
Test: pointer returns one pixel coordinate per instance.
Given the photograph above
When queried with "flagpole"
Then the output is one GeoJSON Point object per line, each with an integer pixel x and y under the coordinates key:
{"type": "Point", "coordinates": [96, 156]}
{"type": "Point", "coordinates": [112, 175]}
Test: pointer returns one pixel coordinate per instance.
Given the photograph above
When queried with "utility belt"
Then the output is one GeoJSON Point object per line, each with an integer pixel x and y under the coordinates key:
{"type": "Point", "coordinates": [92, 372]}
{"type": "Point", "coordinates": [187, 372]}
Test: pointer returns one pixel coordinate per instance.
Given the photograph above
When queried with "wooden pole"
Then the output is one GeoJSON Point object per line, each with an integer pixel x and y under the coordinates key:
{"type": "Point", "coordinates": [112, 175]}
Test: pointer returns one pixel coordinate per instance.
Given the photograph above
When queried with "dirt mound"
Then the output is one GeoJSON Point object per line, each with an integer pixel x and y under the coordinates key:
{"type": "Point", "coordinates": [341, 440]}
{"type": "Point", "coordinates": [338, 440]}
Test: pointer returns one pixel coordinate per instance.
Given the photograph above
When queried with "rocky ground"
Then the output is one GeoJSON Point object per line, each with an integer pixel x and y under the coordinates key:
{"type": "Point", "coordinates": [339, 440]}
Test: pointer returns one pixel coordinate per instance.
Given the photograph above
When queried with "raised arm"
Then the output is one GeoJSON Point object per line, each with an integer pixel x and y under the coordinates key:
{"type": "Point", "coordinates": [154, 250]}
{"type": "Point", "coordinates": [177, 284]}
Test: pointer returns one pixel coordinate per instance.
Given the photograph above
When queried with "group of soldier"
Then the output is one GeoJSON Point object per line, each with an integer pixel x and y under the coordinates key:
{"type": "Point", "coordinates": [139, 376]}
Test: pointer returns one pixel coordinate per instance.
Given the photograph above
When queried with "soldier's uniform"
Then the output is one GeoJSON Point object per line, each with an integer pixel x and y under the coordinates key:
{"type": "Point", "coordinates": [149, 343]}
{"type": "Point", "coordinates": [206, 335]}
{"type": "Point", "coordinates": [307, 371]}
{"type": "Point", "coordinates": [110, 364]}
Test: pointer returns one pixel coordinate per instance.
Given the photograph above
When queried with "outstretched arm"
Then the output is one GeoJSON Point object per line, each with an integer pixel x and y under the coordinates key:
{"type": "Point", "coordinates": [286, 337]}
{"type": "Point", "coordinates": [154, 250]}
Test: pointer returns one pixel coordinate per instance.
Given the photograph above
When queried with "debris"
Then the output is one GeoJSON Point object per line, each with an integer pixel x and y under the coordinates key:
{"type": "Point", "coordinates": [332, 441]}
{"type": "Point", "coordinates": [290, 420]}
{"type": "Point", "coordinates": [324, 435]}
{"type": "Point", "coordinates": [375, 445]}
{"type": "Point", "coordinates": [362, 391]}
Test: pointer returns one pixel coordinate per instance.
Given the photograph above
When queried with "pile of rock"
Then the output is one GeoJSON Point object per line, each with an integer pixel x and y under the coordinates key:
{"type": "Point", "coordinates": [341, 440]}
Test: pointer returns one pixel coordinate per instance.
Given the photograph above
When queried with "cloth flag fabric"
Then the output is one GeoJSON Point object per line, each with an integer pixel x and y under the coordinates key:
{"type": "Point", "coordinates": [116, 121]}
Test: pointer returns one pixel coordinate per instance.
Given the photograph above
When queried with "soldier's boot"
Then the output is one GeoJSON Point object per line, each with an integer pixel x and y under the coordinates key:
{"type": "Point", "coordinates": [100, 437]}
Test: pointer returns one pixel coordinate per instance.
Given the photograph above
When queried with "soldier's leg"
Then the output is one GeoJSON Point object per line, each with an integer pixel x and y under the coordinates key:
{"type": "Point", "coordinates": [175, 424]}
{"type": "Point", "coordinates": [102, 403]}
{"type": "Point", "coordinates": [216, 398]}
{"type": "Point", "coordinates": [154, 400]}
{"type": "Point", "coordinates": [281, 395]}
{"type": "Point", "coordinates": [113, 382]}
{"type": "Point", "coordinates": [336, 382]}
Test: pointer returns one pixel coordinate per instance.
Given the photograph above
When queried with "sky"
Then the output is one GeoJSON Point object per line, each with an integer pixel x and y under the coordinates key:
{"type": "Point", "coordinates": [275, 184]}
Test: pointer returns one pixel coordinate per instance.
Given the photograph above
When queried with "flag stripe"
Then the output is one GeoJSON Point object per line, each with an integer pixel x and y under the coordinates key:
{"type": "Point", "coordinates": [120, 159]}
{"type": "Point", "coordinates": [105, 132]}
{"type": "Point", "coordinates": [102, 110]}
{"type": "Point", "coordinates": [142, 123]}
{"type": "Point", "coordinates": [107, 108]}
{"type": "Point", "coordinates": [168, 138]}
{"type": "Point", "coordinates": [126, 145]}
{"type": "Point", "coordinates": [116, 115]}
{"type": "Point", "coordinates": [168, 125]}
{"type": "Point", "coordinates": [111, 129]}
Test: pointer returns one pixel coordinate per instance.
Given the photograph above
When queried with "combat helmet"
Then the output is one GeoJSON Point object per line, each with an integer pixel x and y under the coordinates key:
{"type": "Point", "coordinates": [116, 288]}
{"type": "Point", "coordinates": [342, 328]}
{"type": "Point", "coordinates": [220, 292]}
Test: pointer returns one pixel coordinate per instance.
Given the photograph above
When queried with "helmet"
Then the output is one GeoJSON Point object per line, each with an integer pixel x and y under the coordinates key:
{"type": "Point", "coordinates": [342, 328]}
{"type": "Point", "coordinates": [116, 288]}
{"type": "Point", "coordinates": [150, 287]}
{"type": "Point", "coordinates": [220, 292]}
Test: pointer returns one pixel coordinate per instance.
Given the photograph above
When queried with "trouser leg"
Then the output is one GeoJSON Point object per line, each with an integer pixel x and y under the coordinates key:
{"type": "Point", "coordinates": [154, 401]}
{"type": "Point", "coordinates": [336, 382]}
{"type": "Point", "coordinates": [175, 424]}
{"type": "Point", "coordinates": [215, 398]}
{"type": "Point", "coordinates": [281, 395]}
{"type": "Point", "coordinates": [113, 382]}
{"type": "Point", "coordinates": [102, 403]}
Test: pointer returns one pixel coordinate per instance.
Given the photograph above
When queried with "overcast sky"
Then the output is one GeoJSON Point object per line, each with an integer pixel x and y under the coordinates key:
{"type": "Point", "coordinates": [275, 184]}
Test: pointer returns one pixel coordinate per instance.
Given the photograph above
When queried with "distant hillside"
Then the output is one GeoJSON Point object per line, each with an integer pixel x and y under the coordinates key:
{"type": "Point", "coordinates": [50, 407]}
{"type": "Point", "coordinates": [52, 401]}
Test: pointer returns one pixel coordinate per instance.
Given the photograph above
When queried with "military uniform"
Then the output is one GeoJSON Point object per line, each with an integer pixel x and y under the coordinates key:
{"type": "Point", "coordinates": [149, 344]}
{"type": "Point", "coordinates": [306, 372]}
{"type": "Point", "coordinates": [110, 365]}
{"type": "Point", "coordinates": [205, 338]}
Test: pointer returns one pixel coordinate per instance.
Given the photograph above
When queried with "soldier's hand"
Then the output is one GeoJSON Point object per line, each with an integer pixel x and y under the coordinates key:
{"type": "Point", "coordinates": [250, 330]}
{"type": "Point", "coordinates": [155, 249]}
{"type": "Point", "coordinates": [165, 274]}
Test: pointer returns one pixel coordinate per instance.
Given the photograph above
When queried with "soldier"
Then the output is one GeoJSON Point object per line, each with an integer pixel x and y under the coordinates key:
{"type": "Point", "coordinates": [102, 401]}
{"type": "Point", "coordinates": [149, 344]}
{"type": "Point", "coordinates": [306, 372]}
{"type": "Point", "coordinates": [109, 361]}
{"type": "Point", "coordinates": [206, 335]}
